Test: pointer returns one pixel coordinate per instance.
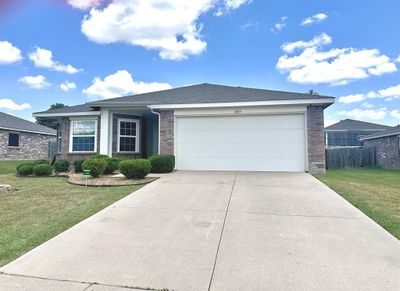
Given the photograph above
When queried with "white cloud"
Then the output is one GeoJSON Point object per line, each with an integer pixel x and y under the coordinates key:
{"type": "Point", "coordinates": [43, 58]}
{"type": "Point", "coordinates": [361, 114]}
{"type": "Point", "coordinates": [388, 93]}
{"type": "Point", "coordinates": [235, 4]}
{"type": "Point", "coordinates": [335, 66]}
{"type": "Point", "coordinates": [250, 25]}
{"type": "Point", "coordinates": [366, 104]}
{"type": "Point", "coordinates": [318, 40]}
{"type": "Point", "coordinates": [9, 53]}
{"type": "Point", "coordinates": [35, 82]}
{"type": "Point", "coordinates": [11, 105]}
{"type": "Point", "coordinates": [315, 18]}
{"type": "Point", "coordinates": [170, 27]}
{"type": "Point", "coordinates": [280, 25]}
{"type": "Point", "coordinates": [224, 6]}
{"type": "Point", "coordinates": [395, 113]}
{"type": "Point", "coordinates": [84, 4]}
{"type": "Point", "coordinates": [67, 86]}
{"type": "Point", "coordinates": [398, 59]}
{"type": "Point", "coordinates": [351, 98]}
{"type": "Point", "coordinates": [119, 84]}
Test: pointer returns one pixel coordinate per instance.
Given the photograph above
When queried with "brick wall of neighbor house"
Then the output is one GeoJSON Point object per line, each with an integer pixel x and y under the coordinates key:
{"type": "Point", "coordinates": [387, 151]}
{"type": "Point", "coordinates": [64, 149]}
{"type": "Point", "coordinates": [32, 146]}
{"type": "Point", "coordinates": [316, 140]}
{"type": "Point", "coordinates": [167, 132]}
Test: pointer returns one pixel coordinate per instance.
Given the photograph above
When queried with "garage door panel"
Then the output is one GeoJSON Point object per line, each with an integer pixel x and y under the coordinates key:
{"type": "Point", "coordinates": [244, 164]}
{"type": "Point", "coordinates": [236, 136]}
{"type": "Point", "coordinates": [269, 150]}
{"type": "Point", "coordinates": [248, 143]}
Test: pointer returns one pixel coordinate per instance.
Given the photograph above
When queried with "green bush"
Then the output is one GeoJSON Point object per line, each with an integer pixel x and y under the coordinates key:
{"type": "Point", "coordinates": [112, 165]}
{"type": "Point", "coordinates": [96, 166]}
{"type": "Point", "coordinates": [162, 163]}
{"type": "Point", "coordinates": [25, 169]}
{"type": "Point", "coordinates": [42, 170]}
{"type": "Point", "coordinates": [135, 169]}
{"type": "Point", "coordinates": [78, 165]}
{"type": "Point", "coordinates": [39, 162]}
{"type": "Point", "coordinates": [61, 166]}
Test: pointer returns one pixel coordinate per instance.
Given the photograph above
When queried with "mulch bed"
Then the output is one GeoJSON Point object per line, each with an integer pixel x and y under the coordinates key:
{"type": "Point", "coordinates": [106, 181]}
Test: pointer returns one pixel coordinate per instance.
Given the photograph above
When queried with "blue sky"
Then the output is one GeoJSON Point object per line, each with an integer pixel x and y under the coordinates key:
{"type": "Point", "coordinates": [107, 48]}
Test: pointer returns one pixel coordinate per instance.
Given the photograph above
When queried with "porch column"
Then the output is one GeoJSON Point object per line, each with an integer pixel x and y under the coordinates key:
{"type": "Point", "coordinates": [105, 125]}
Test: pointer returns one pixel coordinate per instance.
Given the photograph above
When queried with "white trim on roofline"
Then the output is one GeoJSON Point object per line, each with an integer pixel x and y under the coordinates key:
{"type": "Point", "coordinates": [29, 131]}
{"type": "Point", "coordinates": [242, 104]}
{"type": "Point", "coordinates": [380, 136]}
{"type": "Point", "coordinates": [88, 113]}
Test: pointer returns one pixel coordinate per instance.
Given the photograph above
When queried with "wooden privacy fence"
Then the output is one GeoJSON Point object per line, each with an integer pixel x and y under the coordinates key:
{"type": "Point", "coordinates": [52, 150]}
{"type": "Point", "coordinates": [341, 158]}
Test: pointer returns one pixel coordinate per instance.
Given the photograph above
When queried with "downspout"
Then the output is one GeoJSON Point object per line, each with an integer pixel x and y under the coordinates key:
{"type": "Point", "coordinates": [159, 127]}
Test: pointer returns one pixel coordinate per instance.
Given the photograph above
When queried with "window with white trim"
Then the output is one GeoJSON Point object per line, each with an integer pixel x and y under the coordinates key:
{"type": "Point", "coordinates": [83, 135]}
{"type": "Point", "coordinates": [128, 135]}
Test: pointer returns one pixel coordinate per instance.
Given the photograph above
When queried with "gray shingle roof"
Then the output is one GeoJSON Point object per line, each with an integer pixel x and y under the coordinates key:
{"type": "Point", "coordinates": [208, 93]}
{"type": "Point", "coordinates": [15, 123]}
{"type": "Point", "coordinates": [69, 109]}
{"type": "Point", "coordinates": [354, 125]}
{"type": "Point", "coordinates": [389, 132]}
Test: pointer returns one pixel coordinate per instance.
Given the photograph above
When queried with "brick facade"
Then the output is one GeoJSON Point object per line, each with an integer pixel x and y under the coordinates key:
{"type": "Point", "coordinates": [387, 151]}
{"type": "Point", "coordinates": [316, 140]}
{"type": "Point", "coordinates": [167, 132]}
{"type": "Point", "coordinates": [32, 146]}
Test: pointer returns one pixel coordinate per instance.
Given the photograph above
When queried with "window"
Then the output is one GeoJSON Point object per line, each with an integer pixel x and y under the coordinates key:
{"type": "Point", "coordinates": [83, 135]}
{"type": "Point", "coordinates": [128, 135]}
{"type": "Point", "coordinates": [13, 140]}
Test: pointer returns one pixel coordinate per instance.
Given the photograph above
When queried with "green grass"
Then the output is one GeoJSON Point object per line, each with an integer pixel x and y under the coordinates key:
{"type": "Point", "coordinates": [376, 192]}
{"type": "Point", "coordinates": [8, 167]}
{"type": "Point", "coordinates": [41, 208]}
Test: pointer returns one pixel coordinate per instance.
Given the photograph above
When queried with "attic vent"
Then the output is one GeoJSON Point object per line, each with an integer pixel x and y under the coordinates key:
{"type": "Point", "coordinates": [312, 92]}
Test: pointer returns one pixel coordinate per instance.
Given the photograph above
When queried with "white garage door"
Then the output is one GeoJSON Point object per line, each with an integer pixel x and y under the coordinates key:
{"type": "Point", "coordinates": [244, 143]}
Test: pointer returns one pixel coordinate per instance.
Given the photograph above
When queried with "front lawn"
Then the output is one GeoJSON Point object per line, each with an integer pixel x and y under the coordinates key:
{"type": "Point", "coordinates": [376, 192]}
{"type": "Point", "coordinates": [8, 166]}
{"type": "Point", "coordinates": [41, 208]}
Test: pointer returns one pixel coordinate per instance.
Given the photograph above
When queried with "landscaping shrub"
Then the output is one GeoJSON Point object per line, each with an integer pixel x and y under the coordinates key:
{"type": "Point", "coordinates": [162, 163]}
{"type": "Point", "coordinates": [61, 166]}
{"type": "Point", "coordinates": [96, 166]}
{"type": "Point", "coordinates": [39, 162]}
{"type": "Point", "coordinates": [78, 165]}
{"type": "Point", "coordinates": [135, 169]}
{"type": "Point", "coordinates": [42, 170]}
{"type": "Point", "coordinates": [112, 165]}
{"type": "Point", "coordinates": [25, 169]}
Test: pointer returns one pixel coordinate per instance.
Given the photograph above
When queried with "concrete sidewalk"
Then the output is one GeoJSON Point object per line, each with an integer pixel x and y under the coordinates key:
{"type": "Point", "coordinates": [217, 231]}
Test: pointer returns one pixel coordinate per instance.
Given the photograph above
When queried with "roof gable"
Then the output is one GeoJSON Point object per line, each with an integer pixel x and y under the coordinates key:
{"type": "Point", "coordinates": [354, 125]}
{"type": "Point", "coordinates": [208, 93]}
{"type": "Point", "coordinates": [389, 132]}
{"type": "Point", "coordinates": [8, 121]}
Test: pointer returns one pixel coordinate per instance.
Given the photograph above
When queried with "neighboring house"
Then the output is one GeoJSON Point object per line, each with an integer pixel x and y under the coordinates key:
{"type": "Point", "coordinates": [23, 140]}
{"type": "Point", "coordinates": [348, 132]}
{"type": "Point", "coordinates": [206, 126]}
{"type": "Point", "coordinates": [386, 146]}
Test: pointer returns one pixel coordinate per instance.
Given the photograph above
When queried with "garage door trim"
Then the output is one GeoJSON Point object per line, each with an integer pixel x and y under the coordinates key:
{"type": "Point", "coordinates": [231, 113]}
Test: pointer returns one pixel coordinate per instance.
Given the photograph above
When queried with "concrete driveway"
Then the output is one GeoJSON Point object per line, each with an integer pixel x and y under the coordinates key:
{"type": "Point", "coordinates": [217, 231]}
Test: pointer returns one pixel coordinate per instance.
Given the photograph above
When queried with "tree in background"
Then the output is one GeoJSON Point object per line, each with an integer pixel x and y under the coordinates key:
{"type": "Point", "coordinates": [49, 122]}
